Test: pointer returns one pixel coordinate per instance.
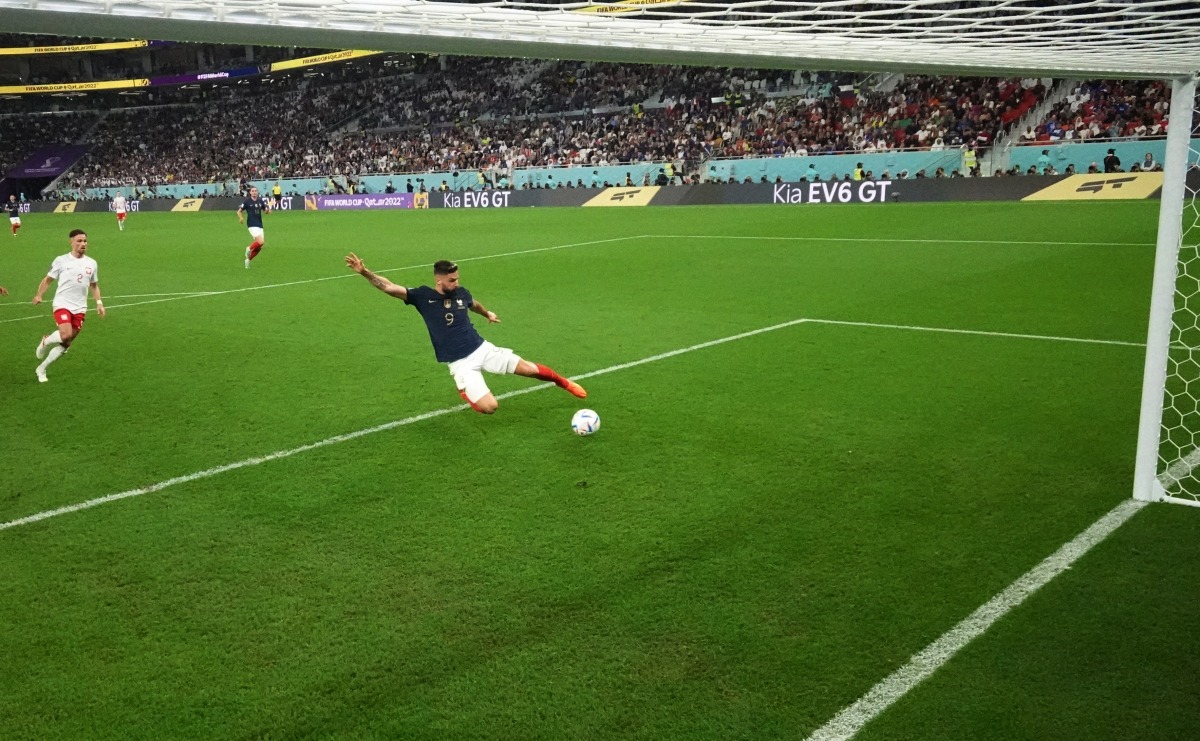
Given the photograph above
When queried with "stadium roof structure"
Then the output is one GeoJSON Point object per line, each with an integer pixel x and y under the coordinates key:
{"type": "Point", "coordinates": [1059, 38]}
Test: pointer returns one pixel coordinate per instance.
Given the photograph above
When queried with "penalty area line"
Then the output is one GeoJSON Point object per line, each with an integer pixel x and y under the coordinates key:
{"type": "Point", "coordinates": [896, 240]}
{"type": "Point", "coordinates": [847, 723]}
{"type": "Point", "coordinates": [978, 332]}
{"type": "Point", "coordinates": [280, 454]}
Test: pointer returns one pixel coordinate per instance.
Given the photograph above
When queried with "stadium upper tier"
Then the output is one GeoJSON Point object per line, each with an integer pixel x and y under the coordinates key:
{"type": "Point", "coordinates": [75, 61]}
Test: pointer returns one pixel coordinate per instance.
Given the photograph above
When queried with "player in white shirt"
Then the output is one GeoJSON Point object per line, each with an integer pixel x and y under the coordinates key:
{"type": "Point", "coordinates": [75, 273]}
{"type": "Point", "coordinates": [118, 205]}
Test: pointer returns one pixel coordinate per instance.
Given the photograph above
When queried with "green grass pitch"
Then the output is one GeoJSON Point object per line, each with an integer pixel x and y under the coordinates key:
{"type": "Point", "coordinates": [762, 530]}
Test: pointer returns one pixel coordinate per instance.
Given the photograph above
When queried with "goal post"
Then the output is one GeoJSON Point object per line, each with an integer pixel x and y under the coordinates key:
{"type": "Point", "coordinates": [1168, 447]}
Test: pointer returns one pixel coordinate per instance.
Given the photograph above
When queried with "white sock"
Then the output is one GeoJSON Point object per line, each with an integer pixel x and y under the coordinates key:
{"type": "Point", "coordinates": [51, 356]}
{"type": "Point", "coordinates": [53, 338]}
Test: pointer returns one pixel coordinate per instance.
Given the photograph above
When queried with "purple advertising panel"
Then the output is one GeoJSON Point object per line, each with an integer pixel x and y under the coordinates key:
{"type": "Point", "coordinates": [205, 76]}
{"type": "Point", "coordinates": [49, 162]}
{"type": "Point", "coordinates": [365, 200]}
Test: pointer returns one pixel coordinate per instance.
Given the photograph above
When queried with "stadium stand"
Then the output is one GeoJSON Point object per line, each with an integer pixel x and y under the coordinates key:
{"type": "Point", "coordinates": [401, 113]}
{"type": "Point", "coordinates": [1106, 109]}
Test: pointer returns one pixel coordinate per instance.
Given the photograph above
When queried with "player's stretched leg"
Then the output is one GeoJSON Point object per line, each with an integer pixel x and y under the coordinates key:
{"type": "Point", "coordinates": [485, 405]}
{"type": "Point", "coordinates": [543, 373]}
{"type": "Point", "coordinates": [473, 389]}
{"type": "Point", "coordinates": [255, 246]}
{"type": "Point", "coordinates": [48, 341]}
{"type": "Point", "coordinates": [54, 354]}
{"type": "Point", "coordinates": [52, 347]}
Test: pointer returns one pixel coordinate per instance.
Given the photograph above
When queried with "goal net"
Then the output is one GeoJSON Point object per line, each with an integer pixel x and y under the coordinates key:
{"type": "Point", "coordinates": [1063, 38]}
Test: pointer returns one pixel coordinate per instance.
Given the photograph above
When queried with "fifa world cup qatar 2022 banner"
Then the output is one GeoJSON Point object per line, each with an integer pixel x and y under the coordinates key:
{"type": "Point", "coordinates": [365, 201]}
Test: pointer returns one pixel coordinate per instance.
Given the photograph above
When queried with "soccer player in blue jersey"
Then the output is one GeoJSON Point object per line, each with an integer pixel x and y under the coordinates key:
{"type": "Point", "coordinates": [254, 207]}
{"type": "Point", "coordinates": [13, 209]}
{"type": "Point", "coordinates": [455, 340]}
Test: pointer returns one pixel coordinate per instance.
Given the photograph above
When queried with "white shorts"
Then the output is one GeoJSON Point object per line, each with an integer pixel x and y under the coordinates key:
{"type": "Point", "coordinates": [256, 232]}
{"type": "Point", "coordinates": [468, 374]}
{"type": "Point", "coordinates": [15, 219]}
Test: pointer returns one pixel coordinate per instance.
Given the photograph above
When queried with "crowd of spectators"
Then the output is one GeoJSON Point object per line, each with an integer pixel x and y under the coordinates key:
{"type": "Point", "coordinates": [229, 136]}
{"type": "Point", "coordinates": [405, 113]}
{"type": "Point", "coordinates": [1105, 109]}
{"type": "Point", "coordinates": [463, 113]}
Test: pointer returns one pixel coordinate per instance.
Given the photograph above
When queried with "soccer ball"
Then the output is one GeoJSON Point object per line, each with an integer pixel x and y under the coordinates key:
{"type": "Point", "coordinates": [585, 422]}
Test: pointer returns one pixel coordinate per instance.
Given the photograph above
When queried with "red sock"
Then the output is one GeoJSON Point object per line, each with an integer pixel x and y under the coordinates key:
{"type": "Point", "coordinates": [255, 248]}
{"type": "Point", "coordinates": [548, 374]}
{"type": "Point", "coordinates": [463, 394]}
{"type": "Point", "coordinates": [15, 227]}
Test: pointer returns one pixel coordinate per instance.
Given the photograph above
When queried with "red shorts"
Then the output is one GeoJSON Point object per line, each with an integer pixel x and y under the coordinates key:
{"type": "Point", "coordinates": [63, 316]}
{"type": "Point", "coordinates": [120, 216]}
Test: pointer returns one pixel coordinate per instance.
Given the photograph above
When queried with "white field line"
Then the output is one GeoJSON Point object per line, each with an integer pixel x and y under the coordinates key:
{"type": "Point", "coordinates": [210, 472]}
{"type": "Point", "coordinates": [439, 412]}
{"type": "Point", "coordinates": [200, 294]}
{"type": "Point", "coordinates": [846, 724]}
{"type": "Point", "coordinates": [144, 295]}
{"type": "Point", "coordinates": [891, 240]}
{"type": "Point", "coordinates": [981, 333]}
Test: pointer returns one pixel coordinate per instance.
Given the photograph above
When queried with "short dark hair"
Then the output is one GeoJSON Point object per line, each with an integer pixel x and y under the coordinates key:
{"type": "Point", "coordinates": [76, 232]}
{"type": "Point", "coordinates": [444, 267]}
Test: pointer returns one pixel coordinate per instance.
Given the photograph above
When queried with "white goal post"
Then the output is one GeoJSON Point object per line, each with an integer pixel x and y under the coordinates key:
{"type": "Point", "coordinates": [1097, 39]}
{"type": "Point", "coordinates": [1168, 448]}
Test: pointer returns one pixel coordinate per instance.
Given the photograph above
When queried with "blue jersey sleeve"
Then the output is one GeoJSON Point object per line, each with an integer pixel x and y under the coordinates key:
{"type": "Point", "coordinates": [413, 295]}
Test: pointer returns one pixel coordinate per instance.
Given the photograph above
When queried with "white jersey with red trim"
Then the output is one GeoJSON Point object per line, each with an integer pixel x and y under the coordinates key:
{"type": "Point", "coordinates": [119, 204]}
{"type": "Point", "coordinates": [74, 275]}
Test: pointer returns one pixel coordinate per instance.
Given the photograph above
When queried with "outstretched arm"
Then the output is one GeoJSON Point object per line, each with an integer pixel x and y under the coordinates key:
{"type": "Point", "coordinates": [37, 296]}
{"type": "Point", "coordinates": [478, 309]}
{"type": "Point", "coordinates": [356, 264]}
